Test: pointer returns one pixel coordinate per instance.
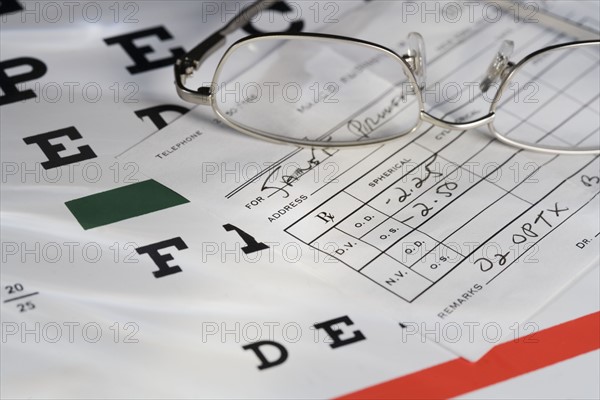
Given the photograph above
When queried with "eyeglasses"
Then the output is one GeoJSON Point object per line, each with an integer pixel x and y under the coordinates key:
{"type": "Point", "coordinates": [319, 90]}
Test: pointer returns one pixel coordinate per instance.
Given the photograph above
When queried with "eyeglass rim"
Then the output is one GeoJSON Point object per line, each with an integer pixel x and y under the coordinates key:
{"type": "Point", "coordinates": [314, 143]}
{"type": "Point", "coordinates": [423, 115]}
{"type": "Point", "coordinates": [506, 81]}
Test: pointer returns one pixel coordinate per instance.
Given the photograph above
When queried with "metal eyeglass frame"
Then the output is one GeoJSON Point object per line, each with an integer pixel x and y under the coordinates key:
{"type": "Point", "coordinates": [500, 72]}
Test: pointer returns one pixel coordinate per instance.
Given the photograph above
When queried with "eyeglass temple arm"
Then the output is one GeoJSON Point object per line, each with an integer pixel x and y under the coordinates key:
{"type": "Point", "coordinates": [185, 66]}
{"type": "Point", "coordinates": [572, 28]}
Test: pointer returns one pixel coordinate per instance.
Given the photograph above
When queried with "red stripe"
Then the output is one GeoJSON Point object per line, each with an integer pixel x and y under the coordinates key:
{"type": "Point", "coordinates": [505, 361]}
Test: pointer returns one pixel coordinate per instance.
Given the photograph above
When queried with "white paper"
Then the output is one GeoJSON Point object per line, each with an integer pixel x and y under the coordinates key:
{"type": "Point", "coordinates": [444, 229]}
{"type": "Point", "coordinates": [180, 336]}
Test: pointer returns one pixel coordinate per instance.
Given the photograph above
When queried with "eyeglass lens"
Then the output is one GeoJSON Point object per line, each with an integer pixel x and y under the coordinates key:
{"type": "Point", "coordinates": [554, 100]}
{"type": "Point", "coordinates": [316, 89]}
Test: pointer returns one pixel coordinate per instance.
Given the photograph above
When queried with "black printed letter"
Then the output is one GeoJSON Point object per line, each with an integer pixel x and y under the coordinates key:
{"type": "Point", "coordinates": [138, 54]}
{"type": "Point", "coordinates": [252, 246]}
{"type": "Point", "coordinates": [9, 83]}
{"type": "Point", "coordinates": [264, 362]}
{"type": "Point", "coordinates": [154, 113]}
{"type": "Point", "coordinates": [161, 259]}
{"type": "Point", "coordinates": [51, 150]}
{"type": "Point", "coordinates": [335, 333]}
{"type": "Point", "coordinates": [282, 7]}
{"type": "Point", "coordinates": [9, 6]}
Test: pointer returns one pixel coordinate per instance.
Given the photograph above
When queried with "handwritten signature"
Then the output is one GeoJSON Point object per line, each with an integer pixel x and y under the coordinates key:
{"type": "Point", "coordinates": [278, 183]}
{"type": "Point", "coordinates": [369, 124]}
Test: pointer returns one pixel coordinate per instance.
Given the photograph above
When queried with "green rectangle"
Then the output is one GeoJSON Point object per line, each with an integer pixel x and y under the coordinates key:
{"type": "Point", "coordinates": [123, 203]}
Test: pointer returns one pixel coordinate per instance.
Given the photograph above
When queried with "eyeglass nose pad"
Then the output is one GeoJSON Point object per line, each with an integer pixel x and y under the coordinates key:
{"type": "Point", "coordinates": [499, 66]}
{"type": "Point", "coordinates": [416, 59]}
